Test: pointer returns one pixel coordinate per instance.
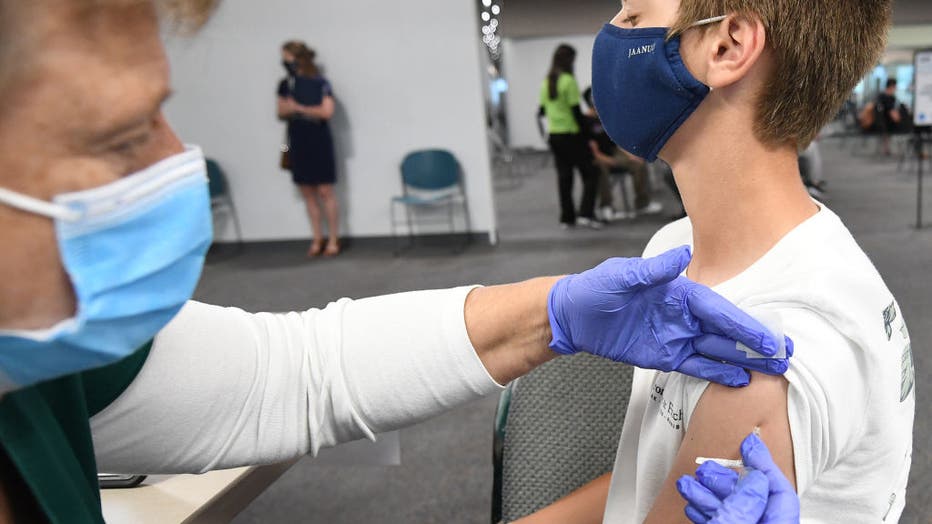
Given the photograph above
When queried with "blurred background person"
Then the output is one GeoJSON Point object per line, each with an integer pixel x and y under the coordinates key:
{"type": "Point", "coordinates": [613, 163]}
{"type": "Point", "coordinates": [305, 101]}
{"type": "Point", "coordinates": [888, 114]}
{"type": "Point", "coordinates": [559, 102]}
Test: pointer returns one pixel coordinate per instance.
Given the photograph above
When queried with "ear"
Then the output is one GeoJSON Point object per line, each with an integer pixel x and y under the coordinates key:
{"type": "Point", "coordinates": [733, 49]}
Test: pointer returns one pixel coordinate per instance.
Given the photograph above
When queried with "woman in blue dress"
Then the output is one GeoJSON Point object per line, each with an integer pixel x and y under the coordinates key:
{"type": "Point", "coordinates": [305, 101]}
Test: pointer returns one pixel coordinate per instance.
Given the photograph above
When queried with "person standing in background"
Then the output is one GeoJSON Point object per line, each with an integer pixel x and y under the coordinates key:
{"type": "Point", "coordinates": [559, 102]}
{"type": "Point", "coordinates": [889, 116]}
{"type": "Point", "coordinates": [305, 101]}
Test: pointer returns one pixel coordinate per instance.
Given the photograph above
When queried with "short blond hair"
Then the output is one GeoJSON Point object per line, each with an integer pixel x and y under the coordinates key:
{"type": "Point", "coordinates": [189, 14]}
{"type": "Point", "coordinates": [821, 50]}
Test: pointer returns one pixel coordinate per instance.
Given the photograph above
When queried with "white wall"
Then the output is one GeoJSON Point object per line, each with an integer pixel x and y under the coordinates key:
{"type": "Point", "coordinates": [405, 78]}
{"type": "Point", "coordinates": [911, 36]}
{"type": "Point", "coordinates": [526, 63]}
{"type": "Point", "coordinates": [543, 18]}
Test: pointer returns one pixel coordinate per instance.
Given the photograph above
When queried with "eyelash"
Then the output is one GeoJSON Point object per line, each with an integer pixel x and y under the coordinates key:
{"type": "Point", "coordinates": [633, 20]}
{"type": "Point", "coordinates": [129, 146]}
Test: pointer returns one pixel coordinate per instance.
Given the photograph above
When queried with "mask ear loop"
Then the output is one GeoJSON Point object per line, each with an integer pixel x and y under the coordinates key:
{"type": "Point", "coordinates": [707, 21]}
{"type": "Point", "coordinates": [38, 207]}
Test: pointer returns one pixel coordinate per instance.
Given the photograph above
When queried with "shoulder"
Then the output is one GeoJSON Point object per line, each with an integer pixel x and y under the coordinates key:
{"type": "Point", "coordinates": [672, 235]}
{"type": "Point", "coordinates": [819, 266]}
{"type": "Point", "coordinates": [567, 81]}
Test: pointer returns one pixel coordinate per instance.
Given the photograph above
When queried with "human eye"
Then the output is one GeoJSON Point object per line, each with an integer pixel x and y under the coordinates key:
{"type": "Point", "coordinates": [130, 145]}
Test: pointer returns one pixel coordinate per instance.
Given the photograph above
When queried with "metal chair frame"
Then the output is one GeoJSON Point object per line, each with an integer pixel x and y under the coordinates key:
{"type": "Point", "coordinates": [220, 196]}
{"type": "Point", "coordinates": [449, 195]}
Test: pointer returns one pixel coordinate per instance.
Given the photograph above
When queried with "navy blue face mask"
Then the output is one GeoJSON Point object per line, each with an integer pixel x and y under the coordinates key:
{"type": "Point", "coordinates": [641, 87]}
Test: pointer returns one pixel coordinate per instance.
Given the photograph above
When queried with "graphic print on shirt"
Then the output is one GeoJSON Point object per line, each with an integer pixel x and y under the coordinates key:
{"type": "Point", "coordinates": [889, 315]}
{"type": "Point", "coordinates": [908, 372]}
{"type": "Point", "coordinates": [670, 410]}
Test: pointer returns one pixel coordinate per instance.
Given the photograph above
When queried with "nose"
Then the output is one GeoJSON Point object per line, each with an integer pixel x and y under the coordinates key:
{"type": "Point", "coordinates": [617, 21]}
{"type": "Point", "coordinates": [164, 143]}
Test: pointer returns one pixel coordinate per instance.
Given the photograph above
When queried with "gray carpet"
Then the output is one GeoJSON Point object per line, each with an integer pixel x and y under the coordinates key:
{"type": "Point", "coordinates": [446, 476]}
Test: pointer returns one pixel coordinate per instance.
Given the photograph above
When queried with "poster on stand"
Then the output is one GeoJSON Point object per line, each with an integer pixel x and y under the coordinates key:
{"type": "Point", "coordinates": [922, 109]}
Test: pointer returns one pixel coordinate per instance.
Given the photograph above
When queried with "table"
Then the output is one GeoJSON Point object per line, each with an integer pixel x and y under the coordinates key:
{"type": "Point", "coordinates": [219, 496]}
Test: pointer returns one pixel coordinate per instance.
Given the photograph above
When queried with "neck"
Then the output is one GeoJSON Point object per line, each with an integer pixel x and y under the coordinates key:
{"type": "Point", "coordinates": [741, 196]}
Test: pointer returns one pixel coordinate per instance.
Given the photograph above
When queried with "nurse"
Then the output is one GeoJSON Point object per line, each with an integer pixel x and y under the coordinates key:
{"type": "Point", "coordinates": [106, 364]}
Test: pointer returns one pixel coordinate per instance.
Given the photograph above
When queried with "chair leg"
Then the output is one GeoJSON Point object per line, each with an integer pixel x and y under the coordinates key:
{"type": "Point", "coordinates": [452, 223]}
{"type": "Point", "coordinates": [408, 214]}
{"type": "Point", "coordinates": [467, 222]}
{"type": "Point", "coordinates": [450, 217]}
{"type": "Point", "coordinates": [396, 251]}
{"type": "Point", "coordinates": [236, 224]}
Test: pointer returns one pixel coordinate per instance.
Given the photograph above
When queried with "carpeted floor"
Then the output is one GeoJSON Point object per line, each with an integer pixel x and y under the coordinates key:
{"type": "Point", "coordinates": [446, 474]}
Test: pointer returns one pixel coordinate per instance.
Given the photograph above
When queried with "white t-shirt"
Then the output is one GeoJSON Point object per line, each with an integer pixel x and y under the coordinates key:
{"type": "Point", "coordinates": [850, 400]}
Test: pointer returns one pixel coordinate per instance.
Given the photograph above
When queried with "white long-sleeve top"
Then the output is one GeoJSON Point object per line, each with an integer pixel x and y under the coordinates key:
{"type": "Point", "coordinates": [224, 388]}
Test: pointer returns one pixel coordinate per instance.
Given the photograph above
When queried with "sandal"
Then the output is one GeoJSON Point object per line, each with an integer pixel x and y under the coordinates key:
{"type": "Point", "coordinates": [332, 250]}
{"type": "Point", "coordinates": [316, 249]}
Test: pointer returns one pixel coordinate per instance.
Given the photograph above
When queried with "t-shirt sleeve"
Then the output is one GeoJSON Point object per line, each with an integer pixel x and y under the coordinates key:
{"type": "Point", "coordinates": [828, 393]}
{"type": "Point", "coordinates": [283, 89]}
{"type": "Point", "coordinates": [326, 89]}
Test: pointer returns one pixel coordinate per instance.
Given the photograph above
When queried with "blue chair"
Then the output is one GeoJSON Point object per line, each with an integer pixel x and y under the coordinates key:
{"type": "Point", "coordinates": [220, 195]}
{"type": "Point", "coordinates": [430, 179]}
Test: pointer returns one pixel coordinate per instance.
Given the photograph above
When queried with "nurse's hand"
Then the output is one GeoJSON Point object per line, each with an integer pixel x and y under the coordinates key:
{"type": "Point", "coordinates": [717, 496]}
{"type": "Point", "coordinates": [642, 312]}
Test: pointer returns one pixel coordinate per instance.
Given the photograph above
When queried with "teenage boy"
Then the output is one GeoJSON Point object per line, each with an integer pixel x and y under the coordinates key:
{"type": "Point", "coordinates": [727, 96]}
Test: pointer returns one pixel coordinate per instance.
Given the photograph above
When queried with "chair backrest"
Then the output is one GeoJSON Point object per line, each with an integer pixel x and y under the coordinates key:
{"type": "Point", "coordinates": [430, 170]}
{"type": "Point", "coordinates": [564, 423]}
{"type": "Point", "coordinates": [217, 181]}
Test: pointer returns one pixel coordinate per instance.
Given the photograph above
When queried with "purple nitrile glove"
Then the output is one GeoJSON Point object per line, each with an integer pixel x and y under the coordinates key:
{"type": "Point", "coordinates": [718, 496]}
{"type": "Point", "coordinates": [642, 312]}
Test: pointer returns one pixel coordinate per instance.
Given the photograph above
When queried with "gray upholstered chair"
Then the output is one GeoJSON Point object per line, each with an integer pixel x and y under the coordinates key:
{"type": "Point", "coordinates": [557, 429]}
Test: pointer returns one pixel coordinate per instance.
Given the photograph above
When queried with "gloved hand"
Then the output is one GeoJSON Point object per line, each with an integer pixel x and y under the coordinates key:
{"type": "Point", "coordinates": [642, 312]}
{"type": "Point", "coordinates": [719, 497]}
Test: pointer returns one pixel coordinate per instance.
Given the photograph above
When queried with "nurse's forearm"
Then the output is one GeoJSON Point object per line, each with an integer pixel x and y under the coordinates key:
{"type": "Point", "coordinates": [509, 327]}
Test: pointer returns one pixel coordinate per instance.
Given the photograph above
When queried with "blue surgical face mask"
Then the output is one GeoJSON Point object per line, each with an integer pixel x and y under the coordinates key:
{"type": "Point", "coordinates": [134, 250]}
{"type": "Point", "coordinates": [641, 87]}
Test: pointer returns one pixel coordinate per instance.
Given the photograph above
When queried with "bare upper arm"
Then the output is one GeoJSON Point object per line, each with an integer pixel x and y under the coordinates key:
{"type": "Point", "coordinates": [328, 107]}
{"type": "Point", "coordinates": [586, 505]}
{"type": "Point", "coordinates": [280, 106]}
{"type": "Point", "coordinates": [722, 419]}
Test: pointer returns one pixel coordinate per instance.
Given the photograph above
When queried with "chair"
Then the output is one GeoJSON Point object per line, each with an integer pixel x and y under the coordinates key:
{"type": "Point", "coordinates": [430, 179]}
{"type": "Point", "coordinates": [220, 195]}
{"type": "Point", "coordinates": [557, 429]}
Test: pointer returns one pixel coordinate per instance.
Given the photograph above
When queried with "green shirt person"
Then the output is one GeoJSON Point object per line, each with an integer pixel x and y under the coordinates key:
{"type": "Point", "coordinates": [568, 140]}
{"type": "Point", "coordinates": [560, 110]}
